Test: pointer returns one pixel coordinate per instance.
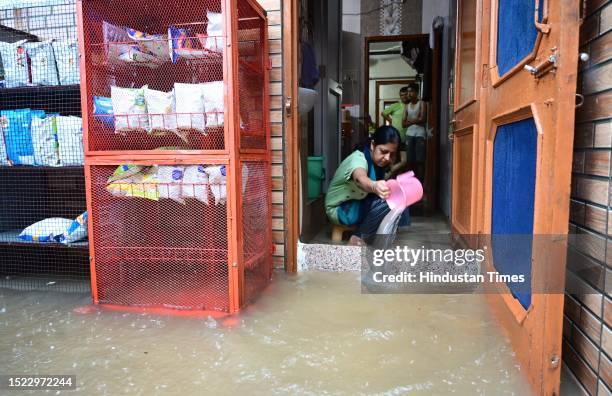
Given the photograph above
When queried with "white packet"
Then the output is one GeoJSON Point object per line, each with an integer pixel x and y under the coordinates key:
{"type": "Point", "coordinates": [214, 30]}
{"type": "Point", "coordinates": [130, 108]}
{"type": "Point", "coordinates": [44, 141]}
{"type": "Point", "coordinates": [195, 183]}
{"type": "Point", "coordinates": [70, 140]}
{"type": "Point", "coordinates": [42, 61]}
{"type": "Point", "coordinates": [213, 95]}
{"type": "Point", "coordinates": [189, 104]}
{"type": "Point", "coordinates": [170, 179]}
{"type": "Point", "coordinates": [217, 181]}
{"type": "Point", "coordinates": [15, 64]}
{"type": "Point", "coordinates": [67, 60]}
{"type": "Point", "coordinates": [160, 107]}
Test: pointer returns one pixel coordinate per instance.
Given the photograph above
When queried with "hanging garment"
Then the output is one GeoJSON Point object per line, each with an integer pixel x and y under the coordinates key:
{"type": "Point", "coordinates": [310, 69]}
{"type": "Point", "coordinates": [419, 56]}
{"type": "Point", "coordinates": [414, 54]}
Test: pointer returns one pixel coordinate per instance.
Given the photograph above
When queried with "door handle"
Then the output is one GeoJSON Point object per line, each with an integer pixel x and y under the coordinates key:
{"type": "Point", "coordinates": [542, 27]}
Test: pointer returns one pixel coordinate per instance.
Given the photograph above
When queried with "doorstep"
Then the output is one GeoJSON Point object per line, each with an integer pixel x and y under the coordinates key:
{"type": "Point", "coordinates": [331, 258]}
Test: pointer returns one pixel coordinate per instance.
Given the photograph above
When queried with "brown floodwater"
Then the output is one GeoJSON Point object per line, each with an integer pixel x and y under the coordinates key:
{"type": "Point", "coordinates": [312, 334]}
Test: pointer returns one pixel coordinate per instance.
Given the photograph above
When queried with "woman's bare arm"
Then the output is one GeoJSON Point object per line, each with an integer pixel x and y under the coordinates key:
{"type": "Point", "coordinates": [368, 185]}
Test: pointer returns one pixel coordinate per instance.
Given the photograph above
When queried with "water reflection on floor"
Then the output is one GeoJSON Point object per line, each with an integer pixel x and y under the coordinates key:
{"type": "Point", "coordinates": [311, 334]}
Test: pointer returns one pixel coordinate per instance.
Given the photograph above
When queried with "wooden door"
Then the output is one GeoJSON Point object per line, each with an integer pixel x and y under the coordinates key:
{"type": "Point", "coordinates": [467, 104]}
{"type": "Point", "coordinates": [512, 160]}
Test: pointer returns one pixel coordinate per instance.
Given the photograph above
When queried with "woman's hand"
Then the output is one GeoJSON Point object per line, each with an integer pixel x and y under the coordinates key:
{"type": "Point", "coordinates": [381, 189]}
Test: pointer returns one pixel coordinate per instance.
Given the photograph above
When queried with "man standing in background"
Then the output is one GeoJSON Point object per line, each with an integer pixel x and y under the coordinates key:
{"type": "Point", "coordinates": [394, 114]}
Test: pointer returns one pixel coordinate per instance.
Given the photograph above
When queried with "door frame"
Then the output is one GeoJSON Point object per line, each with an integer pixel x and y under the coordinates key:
{"type": "Point", "coordinates": [432, 157]}
{"type": "Point", "coordinates": [387, 82]}
{"type": "Point", "coordinates": [366, 69]}
{"type": "Point", "coordinates": [290, 21]}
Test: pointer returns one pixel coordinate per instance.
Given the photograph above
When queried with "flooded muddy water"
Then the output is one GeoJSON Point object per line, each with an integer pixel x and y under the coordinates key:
{"type": "Point", "coordinates": [312, 334]}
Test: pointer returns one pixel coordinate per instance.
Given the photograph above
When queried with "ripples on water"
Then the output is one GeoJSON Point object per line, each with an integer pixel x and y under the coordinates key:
{"type": "Point", "coordinates": [313, 334]}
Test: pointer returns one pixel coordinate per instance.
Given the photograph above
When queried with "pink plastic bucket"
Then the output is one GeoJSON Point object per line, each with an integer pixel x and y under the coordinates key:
{"type": "Point", "coordinates": [396, 198]}
{"type": "Point", "coordinates": [411, 186]}
{"type": "Point", "coordinates": [405, 191]}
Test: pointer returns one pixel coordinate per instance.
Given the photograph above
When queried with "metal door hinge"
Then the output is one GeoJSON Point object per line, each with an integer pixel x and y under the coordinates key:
{"type": "Point", "coordinates": [485, 75]}
{"type": "Point", "coordinates": [288, 106]}
{"type": "Point", "coordinates": [555, 360]}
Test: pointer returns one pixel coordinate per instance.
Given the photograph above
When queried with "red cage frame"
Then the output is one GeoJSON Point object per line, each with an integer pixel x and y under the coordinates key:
{"type": "Point", "coordinates": [234, 153]}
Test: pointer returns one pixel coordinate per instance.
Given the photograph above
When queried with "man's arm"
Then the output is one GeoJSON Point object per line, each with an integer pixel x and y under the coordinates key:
{"type": "Point", "coordinates": [421, 119]}
{"type": "Point", "coordinates": [386, 114]}
{"type": "Point", "coordinates": [386, 117]}
{"type": "Point", "coordinates": [405, 121]}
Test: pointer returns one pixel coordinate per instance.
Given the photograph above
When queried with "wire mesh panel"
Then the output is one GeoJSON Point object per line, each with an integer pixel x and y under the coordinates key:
{"type": "Point", "coordinates": [36, 204]}
{"type": "Point", "coordinates": [256, 226]}
{"type": "Point", "coordinates": [154, 74]}
{"type": "Point", "coordinates": [156, 80]}
{"type": "Point", "coordinates": [42, 196]}
{"type": "Point", "coordinates": [160, 235]}
{"type": "Point", "coordinates": [251, 68]}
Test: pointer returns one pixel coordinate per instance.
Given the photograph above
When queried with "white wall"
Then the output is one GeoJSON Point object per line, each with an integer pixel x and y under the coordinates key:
{"type": "Point", "coordinates": [386, 67]}
{"type": "Point", "coordinates": [351, 20]}
{"type": "Point", "coordinates": [49, 19]}
{"type": "Point", "coordinates": [432, 9]}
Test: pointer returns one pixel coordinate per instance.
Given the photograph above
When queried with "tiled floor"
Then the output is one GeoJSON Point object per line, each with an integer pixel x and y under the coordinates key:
{"type": "Point", "coordinates": [323, 254]}
{"type": "Point", "coordinates": [420, 225]}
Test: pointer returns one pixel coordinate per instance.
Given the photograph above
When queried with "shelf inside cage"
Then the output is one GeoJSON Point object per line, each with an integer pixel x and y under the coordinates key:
{"type": "Point", "coordinates": [195, 49]}
{"type": "Point", "coordinates": [62, 99]}
{"type": "Point", "coordinates": [41, 89]}
{"type": "Point", "coordinates": [163, 123]}
{"type": "Point", "coordinates": [135, 133]}
{"type": "Point", "coordinates": [41, 169]}
{"type": "Point", "coordinates": [12, 238]}
{"type": "Point", "coordinates": [203, 66]}
{"type": "Point", "coordinates": [133, 53]}
{"type": "Point", "coordinates": [168, 291]}
{"type": "Point", "coordinates": [177, 278]}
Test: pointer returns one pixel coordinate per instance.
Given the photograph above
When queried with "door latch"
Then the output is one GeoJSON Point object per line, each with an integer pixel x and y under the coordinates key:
{"type": "Point", "coordinates": [549, 64]}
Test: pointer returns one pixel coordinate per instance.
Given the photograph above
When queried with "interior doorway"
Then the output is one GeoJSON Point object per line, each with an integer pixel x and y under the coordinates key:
{"type": "Point", "coordinates": [393, 64]}
{"type": "Point", "coordinates": [331, 128]}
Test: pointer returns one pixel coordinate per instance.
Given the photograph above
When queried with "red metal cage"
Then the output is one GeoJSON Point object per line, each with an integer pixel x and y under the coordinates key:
{"type": "Point", "coordinates": [176, 136]}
